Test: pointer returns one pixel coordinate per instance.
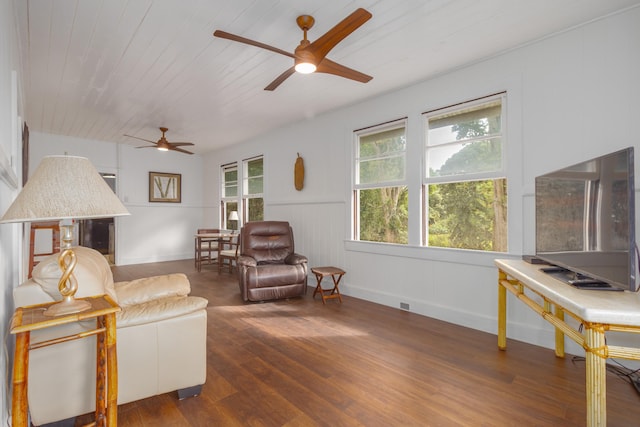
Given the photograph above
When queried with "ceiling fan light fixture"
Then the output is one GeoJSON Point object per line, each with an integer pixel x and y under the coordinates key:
{"type": "Point", "coordinates": [311, 57]}
{"type": "Point", "coordinates": [305, 61]}
{"type": "Point", "coordinates": [162, 144]}
{"type": "Point", "coordinates": [305, 67]}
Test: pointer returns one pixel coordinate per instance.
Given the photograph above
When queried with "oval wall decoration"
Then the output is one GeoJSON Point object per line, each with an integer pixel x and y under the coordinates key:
{"type": "Point", "coordinates": [298, 173]}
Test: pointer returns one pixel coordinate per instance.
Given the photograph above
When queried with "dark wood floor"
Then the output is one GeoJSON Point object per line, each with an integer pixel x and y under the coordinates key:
{"type": "Point", "coordinates": [299, 363]}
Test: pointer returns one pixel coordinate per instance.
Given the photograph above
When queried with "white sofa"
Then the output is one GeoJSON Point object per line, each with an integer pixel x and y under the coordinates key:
{"type": "Point", "coordinates": [161, 339]}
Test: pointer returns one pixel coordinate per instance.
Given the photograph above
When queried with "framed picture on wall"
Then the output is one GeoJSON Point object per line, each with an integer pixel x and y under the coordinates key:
{"type": "Point", "coordinates": [165, 187]}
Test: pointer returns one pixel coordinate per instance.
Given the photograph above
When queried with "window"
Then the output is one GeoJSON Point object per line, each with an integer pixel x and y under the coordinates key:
{"type": "Point", "coordinates": [229, 200]}
{"type": "Point", "coordinates": [380, 189]}
{"type": "Point", "coordinates": [464, 183]}
{"type": "Point", "coordinates": [252, 189]}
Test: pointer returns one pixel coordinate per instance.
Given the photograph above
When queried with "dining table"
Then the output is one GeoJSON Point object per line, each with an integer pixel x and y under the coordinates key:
{"type": "Point", "coordinates": [213, 240]}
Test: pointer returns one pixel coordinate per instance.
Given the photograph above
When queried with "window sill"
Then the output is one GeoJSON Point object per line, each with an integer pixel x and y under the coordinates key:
{"type": "Point", "coordinates": [457, 256]}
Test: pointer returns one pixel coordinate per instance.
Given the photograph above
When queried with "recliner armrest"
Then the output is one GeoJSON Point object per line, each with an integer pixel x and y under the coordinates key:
{"type": "Point", "coordinates": [246, 261]}
{"type": "Point", "coordinates": [294, 259]}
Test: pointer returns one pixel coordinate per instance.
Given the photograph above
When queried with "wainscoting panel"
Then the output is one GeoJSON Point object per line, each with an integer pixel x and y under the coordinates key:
{"type": "Point", "coordinates": [318, 228]}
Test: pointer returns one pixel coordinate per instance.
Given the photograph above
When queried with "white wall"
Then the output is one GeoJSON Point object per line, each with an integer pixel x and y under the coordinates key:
{"type": "Point", "coordinates": [571, 97]}
{"type": "Point", "coordinates": [10, 172]}
{"type": "Point", "coordinates": [154, 231]}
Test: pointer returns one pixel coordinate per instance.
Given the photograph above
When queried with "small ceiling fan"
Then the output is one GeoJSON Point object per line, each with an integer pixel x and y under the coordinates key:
{"type": "Point", "coordinates": [163, 145]}
{"type": "Point", "coordinates": [311, 57]}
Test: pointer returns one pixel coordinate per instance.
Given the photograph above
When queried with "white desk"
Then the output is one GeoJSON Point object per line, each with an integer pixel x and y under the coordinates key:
{"type": "Point", "coordinates": [598, 312]}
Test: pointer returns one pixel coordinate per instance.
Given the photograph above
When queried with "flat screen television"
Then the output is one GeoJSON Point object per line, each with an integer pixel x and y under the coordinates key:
{"type": "Point", "coordinates": [585, 222]}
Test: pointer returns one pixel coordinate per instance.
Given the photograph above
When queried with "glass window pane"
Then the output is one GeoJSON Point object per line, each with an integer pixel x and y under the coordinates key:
{"type": "Point", "coordinates": [382, 143]}
{"type": "Point", "coordinates": [230, 181]}
{"type": "Point", "coordinates": [253, 176]}
{"type": "Point", "coordinates": [255, 185]}
{"type": "Point", "coordinates": [230, 207]}
{"type": "Point", "coordinates": [382, 170]}
{"type": "Point", "coordinates": [465, 158]}
{"type": "Point", "coordinates": [256, 209]}
{"type": "Point", "coordinates": [381, 156]}
{"type": "Point", "coordinates": [383, 214]}
{"type": "Point", "coordinates": [255, 167]}
{"type": "Point", "coordinates": [468, 215]}
{"type": "Point", "coordinates": [230, 190]}
{"type": "Point", "coordinates": [231, 175]}
{"type": "Point", "coordinates": [479, 121]}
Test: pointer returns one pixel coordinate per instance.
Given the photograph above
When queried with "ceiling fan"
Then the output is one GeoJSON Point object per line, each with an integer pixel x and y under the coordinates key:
{"type": "Point", "coordinates": [163, 145]}
{"type": "Point", "coordinates": [311, 57]}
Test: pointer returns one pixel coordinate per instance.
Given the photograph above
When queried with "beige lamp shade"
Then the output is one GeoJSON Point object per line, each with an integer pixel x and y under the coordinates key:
{"type": "Point", "coordinates": [64, 187]}
{"type": "Point", "coordinates": [233, 216]}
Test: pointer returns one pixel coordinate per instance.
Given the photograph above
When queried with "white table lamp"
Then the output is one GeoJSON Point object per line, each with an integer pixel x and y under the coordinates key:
{"type": "Point", "coordinates": [233, 216]}
{"type": "Point", "coordinates": [65, 188]}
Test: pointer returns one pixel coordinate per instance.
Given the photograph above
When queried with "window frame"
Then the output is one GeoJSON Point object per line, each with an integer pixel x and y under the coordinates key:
{"type": "Point", "coordinates": [356, 165]}
{"type": "Point", "coordinates": [502, 173]}
{"type": "Point", "coordinates": [496, 174]}
{"type": "Point", "coordinates": [245, 194]}
{"type": "Point", "coordinates": [224, 199]}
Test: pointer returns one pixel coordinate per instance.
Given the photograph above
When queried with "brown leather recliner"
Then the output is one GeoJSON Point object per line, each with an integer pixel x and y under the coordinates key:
{"type": "Point", "coordinates": [268, 267]}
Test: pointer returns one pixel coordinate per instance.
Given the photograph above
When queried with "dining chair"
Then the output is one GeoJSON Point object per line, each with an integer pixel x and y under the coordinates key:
{"type": "Point", "coordinates": [228, 251]}
{"type": "Point", "coordinates": [206, 249]}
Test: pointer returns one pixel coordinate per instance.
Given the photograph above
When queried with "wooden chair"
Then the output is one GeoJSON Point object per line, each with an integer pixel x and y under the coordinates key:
{"type": "Point", "coordinates": [228, 251]}
{"type": "Point", "coordinates": [206, 249]}
{"type": "Point", "coordinates": [34, 257]}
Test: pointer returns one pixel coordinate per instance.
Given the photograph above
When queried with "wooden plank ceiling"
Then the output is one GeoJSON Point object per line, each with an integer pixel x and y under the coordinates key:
{"type": "Point", "coordinates": [99, 69]}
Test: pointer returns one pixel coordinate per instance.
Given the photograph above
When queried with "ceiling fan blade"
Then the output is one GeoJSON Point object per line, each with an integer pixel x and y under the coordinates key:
{"type": "Point", "coordinates": [147, 146]}
{"type": "Point", "coordinates": [180, 144]}
{"type": "Point", "coordinates": [327, 66]}
{"type": "Point", "coordinates": [180, 150]}
{"type": "Point", "coordinates": [321, 47]}
{"type": "Point", "coordinates": [281, 78]}
{"type": "Point", "coordinates": [141, 139]}
{"type": "Point", "coordinates": [233, 37]}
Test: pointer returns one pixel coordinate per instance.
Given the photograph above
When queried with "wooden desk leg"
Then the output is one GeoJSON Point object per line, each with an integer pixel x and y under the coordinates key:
{"type": "Point", "coordinates": [502, 312]}
{"type": "Point", "coordinates": [112, 371]}
{"type": "Point", "coordinates": [596, 386]}
{"type": "Point", "coordinates": [20, 377]}
{"type": "Point", "coordinates": [559, 333]}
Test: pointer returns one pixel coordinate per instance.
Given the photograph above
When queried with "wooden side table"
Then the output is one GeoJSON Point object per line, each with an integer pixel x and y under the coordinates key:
{"type": "Point", "coordinates": [26, 319]}
{"type": "Point", "coordinates": [336, 275]}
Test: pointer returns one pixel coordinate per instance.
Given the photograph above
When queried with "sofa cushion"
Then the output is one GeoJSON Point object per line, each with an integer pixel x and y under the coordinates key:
{"type": "Point", "coordinates": [140, 291]}
{"type": "Point", "coordinates": [92, 272]}
{"type": "Point", "coordinates": [159, 309]}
